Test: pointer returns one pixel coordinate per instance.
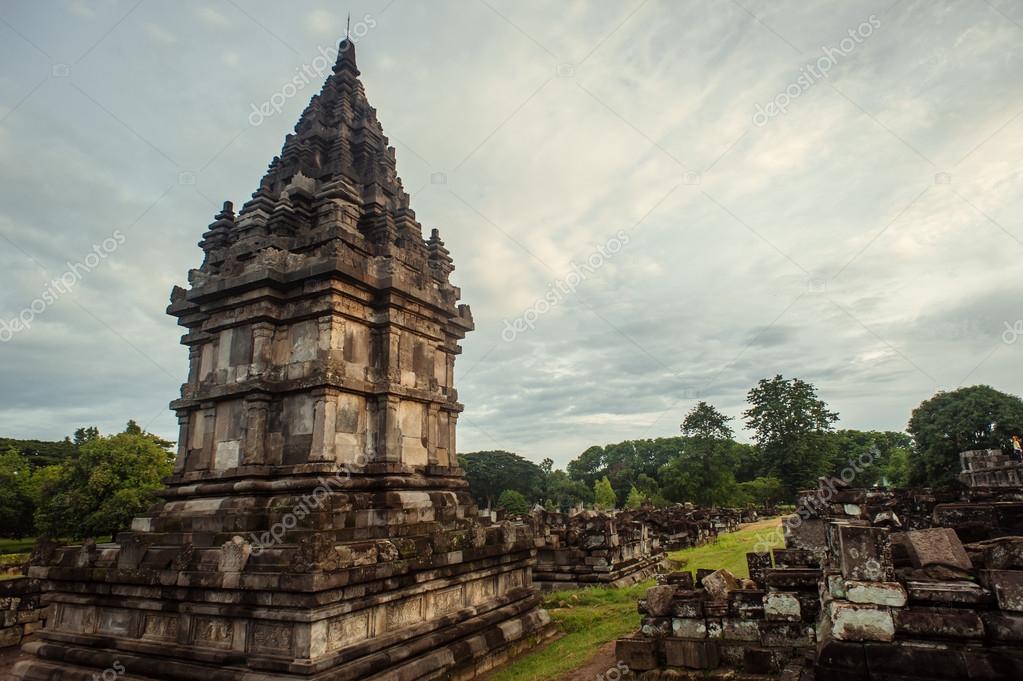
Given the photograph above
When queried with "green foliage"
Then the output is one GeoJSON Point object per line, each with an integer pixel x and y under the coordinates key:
{"type": "Point", "coordinates": [790, 424]}
{"type": "Point", "coordinates": [490, 473]}
{"type": "Point", "coordinates": [635, 498]}
{"type": "Point", "coordinates": [107, 482]}
{"type": "Point", "coordinates": [513, 502]}
{"type": "Point", "coordinates": [563, 493]}
{"type": "Point", "coordinates": [762, 491]}
{"type": "Point", "coordinates": [39, 453]}
{"type": "Point", "coordinates": [604, 496]}
{"type": "Point", "coordinates": [16, 505]}
{"type": "Point", "coordinates": [881, 456]}
{"type": "Point", "coordinates": [703, 470]}
{"type": "Point", "coordinates": [625, 464]}
{"type": "Point", "coordinates": [977, 417]}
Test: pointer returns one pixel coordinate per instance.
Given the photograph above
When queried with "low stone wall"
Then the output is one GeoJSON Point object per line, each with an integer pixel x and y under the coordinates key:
{"type": "Point", "coordinates": [21, 613]}
{"type": "Point", "coordinates": [592, 549]}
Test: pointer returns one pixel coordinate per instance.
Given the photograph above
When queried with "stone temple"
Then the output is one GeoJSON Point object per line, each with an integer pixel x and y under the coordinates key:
{"type": "Point", "coordinates": [316, 525]}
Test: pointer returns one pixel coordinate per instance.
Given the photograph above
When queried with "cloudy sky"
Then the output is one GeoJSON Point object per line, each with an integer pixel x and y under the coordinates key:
{"type": "Point", "coordinates": [700, 193]}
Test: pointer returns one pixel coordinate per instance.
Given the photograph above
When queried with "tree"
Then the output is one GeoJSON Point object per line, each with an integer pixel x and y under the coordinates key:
{"type": "Point", "coordinates": [513, 502]}
{"type": "Point", "coordinates": [763, 491]}
{"type": "Point", "coordinates": [977, 417]}
{"type": "Point", "coordinates": [16, 505]}
{"type": "Point", "coordinates": [107, 482]}
{"type": "Point", "coordinates": [490, 473]}
{"type": "Point", "coordinates": [563, 492]}
{"type": "Point", "coordinates": [604, 497]}
{"type": "Point", "coordinates": [790, 425]}
{"type": "Point", "coordinates": [635, 498]}
{"type": "Point", "coordinates": [702, 472]}
{"type": "Point", "coordinates": [874, 456]}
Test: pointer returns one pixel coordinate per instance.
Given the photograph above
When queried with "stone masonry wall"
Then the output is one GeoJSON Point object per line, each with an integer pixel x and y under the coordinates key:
{"type": "Point", "coordinates": [21, 613]}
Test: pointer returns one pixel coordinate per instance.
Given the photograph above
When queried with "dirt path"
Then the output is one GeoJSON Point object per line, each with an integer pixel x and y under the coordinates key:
{"type": "Point", "coordinates": [603, 660]}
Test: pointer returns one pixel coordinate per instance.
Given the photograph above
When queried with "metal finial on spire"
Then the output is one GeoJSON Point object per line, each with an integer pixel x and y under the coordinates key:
{"type": "Point", "coordinates": [348, 28]}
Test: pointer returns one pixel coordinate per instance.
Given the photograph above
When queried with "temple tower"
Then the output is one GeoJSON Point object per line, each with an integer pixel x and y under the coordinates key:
{"type": "Point", "coordinates": [316, 525]}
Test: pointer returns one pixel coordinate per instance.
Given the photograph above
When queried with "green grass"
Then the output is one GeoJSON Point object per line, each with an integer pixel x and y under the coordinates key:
{"type": "Point", "coordinates": [588, 618]}
{"type": "Point", "coordinates": [16, 545]}
{"type": "Point", "coordinates": [728, 551]}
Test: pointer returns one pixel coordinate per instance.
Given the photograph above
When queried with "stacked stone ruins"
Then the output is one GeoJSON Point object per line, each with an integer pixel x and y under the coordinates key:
{"type": "Point", "coordinates": [592, 549]}
{"type": "Point", "coordinates": [872, 586]}
{"type": "Point", "coordinates": [316, 525]}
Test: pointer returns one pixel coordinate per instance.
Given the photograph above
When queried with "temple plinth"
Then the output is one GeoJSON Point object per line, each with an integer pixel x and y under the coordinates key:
{"type": "Point", "coordinates": [316, 525]}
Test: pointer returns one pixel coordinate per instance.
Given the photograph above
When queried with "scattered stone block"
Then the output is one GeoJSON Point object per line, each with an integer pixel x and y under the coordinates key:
{"type": "Point", "coordinates": [782, 606]}
{"type": "Point", "coordinates": [1007, 586]}
{"type": "Point", "coordinates": [938, 623]}
{"type": "Point", "coordinates": [810, 534]}
{"type": "Point", "coordinates": [658, 600]}
{"type": "Point", "coordinates": [937, 546]}
{"type": "Point", "coordinates": [877, 593]}
{"type": "Point", "coordinates": [758, 564]}
{"type": "Point", "coordinates": [639, 654]}
{"type": "Point", "coordinates": [691, 654]}
{"type": "Point", "coordinates": [1003, 627]}
{"type": "Point", "coordinates": [856, 622]}
{"type": "Point", "coordinates": [947, 593]}
{"type": "Point", "coordinates": [10, 636]}
{"type": "Point", "coordinates": [761, 661]}
{"type": "Point", "coordinates": [925, 660]}
{"type": "Point", "coordinates": [719, 583]}
{"type": "Point", "coordinates": [1004, 554]}
{"type": "Point", "coordinates": [688, 628]}
{"type": "Point", "coordinates": [865, 553]}
{"type": "Point", "coordinates": [746, 603]}
{"type": "Point", "coordinates": [735, 629]}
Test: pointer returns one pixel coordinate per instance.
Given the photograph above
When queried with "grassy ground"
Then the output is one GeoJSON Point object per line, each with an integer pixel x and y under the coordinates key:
{"type": "Point", "coordinates": [590, 618]}
{"type": "Point", "coordinates": [16, 545]}
{"type": "Point", "coordinates": [729, 551]}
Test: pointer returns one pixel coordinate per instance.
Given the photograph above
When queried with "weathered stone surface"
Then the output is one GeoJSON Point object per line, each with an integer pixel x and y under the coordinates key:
{"type": "Point", "coordinates": [922, 660]}
{"type": "Point", "coordinates": [877, 593]}
{"type": "Point", "coordinates": [719, 583]}
{"type": "Point", "coordinates": [658, 600]}
{"type": "Point", "coordinates": [782, 606]}
{"type": "Point", "coordinates": [865, 553]}
{"type": "Point", "coordinates": [947, 593]}
{"type": "Point", "coordinates": [639, 654]}
{"type": "Point", "coordinates": [691, 654]}
{"type": "Point", "coordinates": [854, 622]}
{"type": "Point", "coordinates": [809, 534]}
{"type": "Point", "coordinates": [938, 623]}
{"type": "Point", "coordinates": [758, 564]}
{"type": "Point", "coordinates": [689, 628]}
{"type": "Point", "coordinates": [1007, 586]}
{"type": "Point", "coordinates": [1003, 627]}
{"type": "Point", "coordinates": [937, 546]}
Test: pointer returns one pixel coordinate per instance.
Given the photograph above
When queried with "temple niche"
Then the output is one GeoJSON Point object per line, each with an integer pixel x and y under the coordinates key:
{"type": "Point", "coordinates": [316, 524]}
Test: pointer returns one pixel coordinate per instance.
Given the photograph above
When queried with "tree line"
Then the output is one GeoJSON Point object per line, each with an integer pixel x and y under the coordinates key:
{"type": "Point", "coordinates": [88, 485]}
{"type": "Point", "coordinates": [93, 485]}
{"type": "Point", "coordinates": [794, 443]}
